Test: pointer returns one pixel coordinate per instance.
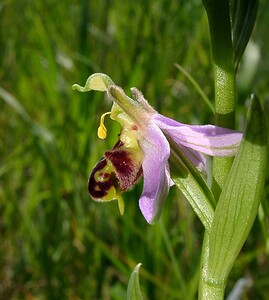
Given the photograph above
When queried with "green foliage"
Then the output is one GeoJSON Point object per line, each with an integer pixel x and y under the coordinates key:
{"type": "Point", "coordinates": [243, 17]}
{"type": "Point", "coordinates": [133, 291]}
{"type": "Point", "coordinates": [56, 243]}
{"type": "Point", "coordinates": [241, 196]}
{"type": "Point", "coordinates": [192, 185]}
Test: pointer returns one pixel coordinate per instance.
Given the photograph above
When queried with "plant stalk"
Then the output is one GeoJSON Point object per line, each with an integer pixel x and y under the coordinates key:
{"type": "Point", "coordinates": [224, 76]}
{"type": "Point", "coordinates": [224, 82]}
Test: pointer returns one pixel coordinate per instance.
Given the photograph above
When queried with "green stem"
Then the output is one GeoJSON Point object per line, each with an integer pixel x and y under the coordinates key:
{"type": "Point", "coordinates": [208, 288]}
{"type": "Point", "coordinates": [211, 291]}
{"type": "Point", "coordinates": [225, 117]}
{"type": "Point", "coordinates": [224, 73]}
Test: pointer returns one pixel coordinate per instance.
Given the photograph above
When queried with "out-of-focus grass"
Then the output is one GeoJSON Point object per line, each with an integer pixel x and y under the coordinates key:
{"type": "Point", "coordinates": [56, 243]}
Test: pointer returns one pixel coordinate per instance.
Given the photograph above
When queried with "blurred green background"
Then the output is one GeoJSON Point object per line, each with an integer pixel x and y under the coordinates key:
{"type": "Point", "coordinates": [55, 242]}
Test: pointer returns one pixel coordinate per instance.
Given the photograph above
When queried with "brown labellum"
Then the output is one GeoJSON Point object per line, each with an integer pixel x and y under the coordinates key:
{"type": "Point", "coordinates": [119, 167]}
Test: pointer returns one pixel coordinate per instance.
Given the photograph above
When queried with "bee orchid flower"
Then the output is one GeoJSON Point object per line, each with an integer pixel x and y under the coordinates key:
{"type": "Point", "coordinates": [142, 148]}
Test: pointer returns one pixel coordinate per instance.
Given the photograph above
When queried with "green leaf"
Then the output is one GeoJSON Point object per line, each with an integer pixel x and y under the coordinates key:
{"type": "Point", "coordinates": [240, 198]}
{"type": "Point", "coordinates": [244, 13]}
{"type": "Point", "coordinates": [133, 290]}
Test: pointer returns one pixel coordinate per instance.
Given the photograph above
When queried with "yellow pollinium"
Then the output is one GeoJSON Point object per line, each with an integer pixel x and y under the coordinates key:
{"type": "Point", "coordinates": [102, 132]}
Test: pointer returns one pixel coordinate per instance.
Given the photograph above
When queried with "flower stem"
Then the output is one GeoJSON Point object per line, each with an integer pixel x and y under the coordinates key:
{"type": "Point", "coordinates": [224, 74]}
{"type": "Point", "coordinates": [211, 291]}
{"type": "Point", "coordinates": [211, 287]}
{"type": "Point", "coordinates": [208, 288]}
{"type": "Point", "coordinates": [225, 117]}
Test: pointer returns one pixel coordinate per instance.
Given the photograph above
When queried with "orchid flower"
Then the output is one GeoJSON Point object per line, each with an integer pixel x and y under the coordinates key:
{"type": "Point", "coordinates": [143, 149]}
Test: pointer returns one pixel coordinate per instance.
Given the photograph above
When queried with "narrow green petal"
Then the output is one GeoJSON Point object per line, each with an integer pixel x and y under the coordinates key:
{"type": "Point", "coordinates": [192, 185]}
{"type": "Point", "coordinates": [96, 82]}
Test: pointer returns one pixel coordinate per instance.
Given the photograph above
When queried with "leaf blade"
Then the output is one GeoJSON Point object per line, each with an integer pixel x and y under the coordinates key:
{"type": "Point", "coordinates": [239, 201]}
{"type": "Point", "coordinates": [133, 290]}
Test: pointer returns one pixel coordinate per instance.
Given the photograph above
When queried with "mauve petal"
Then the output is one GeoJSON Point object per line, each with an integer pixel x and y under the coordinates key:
{"type": "Point", "coordinates": [161, 119]}
{"type": "Point", "coordinates": [208, 139]}
{"type": "Point", "coordinates": [197, 158]}
{"type": "Point", "coordinates": [156, 174]}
